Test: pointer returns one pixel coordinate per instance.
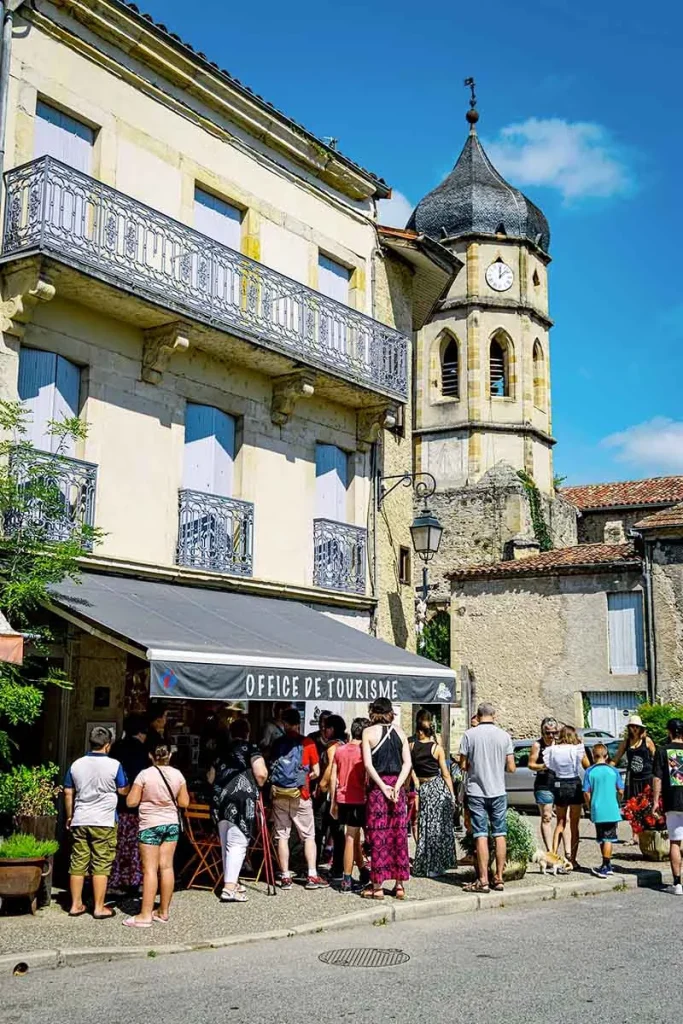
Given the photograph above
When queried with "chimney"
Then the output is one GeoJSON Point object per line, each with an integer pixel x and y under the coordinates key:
{"type": "Point", "coordinates": [521, 547]}
{"type": "Point", "coordinates": [614, 532]}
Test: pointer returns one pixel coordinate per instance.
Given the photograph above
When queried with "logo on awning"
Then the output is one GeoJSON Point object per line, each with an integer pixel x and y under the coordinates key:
{"type": "Point", "coordinates": [169, 680]}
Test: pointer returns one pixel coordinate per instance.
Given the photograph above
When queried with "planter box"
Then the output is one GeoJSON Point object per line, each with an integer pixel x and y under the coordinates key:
{"type": "Point", "coordinates": [21, 879]}
{"type": "Point", "coordinates": [42, 826]}
{"type": "Point", "coordinates": [654, 845]}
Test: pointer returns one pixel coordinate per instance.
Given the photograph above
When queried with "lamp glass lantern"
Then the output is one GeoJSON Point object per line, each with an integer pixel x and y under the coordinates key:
{"type": "Point", "coordinates": [426, 531]}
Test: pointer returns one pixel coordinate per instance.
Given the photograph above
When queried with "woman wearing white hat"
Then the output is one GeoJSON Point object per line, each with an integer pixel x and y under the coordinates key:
{"type": "Point", "coordinates": [640, 751]}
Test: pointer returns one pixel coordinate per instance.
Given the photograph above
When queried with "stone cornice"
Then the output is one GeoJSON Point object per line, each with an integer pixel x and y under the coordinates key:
{"type": "Point", "coordinates": [499, 240]}
{"type": "Point", "coordinates": [118, 24]}
{"type": "Point", "coordinates": [502, 304]}
{"type": "Point", "coordinates": [524, 429]}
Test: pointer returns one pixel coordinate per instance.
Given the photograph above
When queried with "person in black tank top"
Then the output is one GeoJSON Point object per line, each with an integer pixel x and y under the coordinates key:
{"type": "Point", "coordinates": [639, 751]}
{"type": "Point", "coordinates": [386, 757]}
{"type": "Point", "coordinates": [435, 853]}
{"type": "Point", "coordinates": [543, 790]}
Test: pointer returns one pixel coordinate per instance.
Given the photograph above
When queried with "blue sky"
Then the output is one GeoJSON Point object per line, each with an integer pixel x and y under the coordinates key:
{"type": "Point", "coordinates": [580, 107]}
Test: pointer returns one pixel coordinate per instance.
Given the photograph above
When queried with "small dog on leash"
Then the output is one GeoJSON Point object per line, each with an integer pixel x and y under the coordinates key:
{"type": "Point", "coordinates": [551, 863]}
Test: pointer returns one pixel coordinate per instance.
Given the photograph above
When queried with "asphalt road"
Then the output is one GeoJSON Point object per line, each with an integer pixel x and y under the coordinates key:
{"type": "Point", "coordinates": [608, 959]}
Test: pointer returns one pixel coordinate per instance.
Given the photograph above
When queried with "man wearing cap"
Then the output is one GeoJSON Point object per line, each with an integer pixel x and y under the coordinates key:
{"type": "Point", "coordinates": [667, 787]}
{"type": "Point", "coordinates": [91, 787]}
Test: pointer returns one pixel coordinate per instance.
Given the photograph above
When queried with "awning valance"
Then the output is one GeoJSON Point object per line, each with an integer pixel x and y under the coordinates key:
{"type": "Point", "coordinates": [221, 645]}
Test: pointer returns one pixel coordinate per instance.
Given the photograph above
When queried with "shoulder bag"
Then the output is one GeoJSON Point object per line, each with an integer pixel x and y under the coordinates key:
{"type": "Point", "coordinates": [181, 824]}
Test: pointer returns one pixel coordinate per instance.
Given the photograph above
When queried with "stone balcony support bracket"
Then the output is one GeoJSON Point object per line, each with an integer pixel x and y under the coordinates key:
{"type": "Point", "coordinates": [287, 391]}
{"type": "Point", "coordinates": [371, 421]}
{"type": "Point", "coordinates": [159, 345]}
{"type": "Point", "coordinates": [22, 289]}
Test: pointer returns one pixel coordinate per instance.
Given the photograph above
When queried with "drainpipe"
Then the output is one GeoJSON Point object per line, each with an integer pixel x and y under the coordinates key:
{"type": "Point", "coordinates": [650, 624]}
{"type": "Point", "coordinates": [7, 9]}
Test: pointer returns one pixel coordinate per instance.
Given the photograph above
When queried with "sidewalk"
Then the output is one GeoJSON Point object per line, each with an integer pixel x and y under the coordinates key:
{"type": "Point", "coordinates": [200, 921]}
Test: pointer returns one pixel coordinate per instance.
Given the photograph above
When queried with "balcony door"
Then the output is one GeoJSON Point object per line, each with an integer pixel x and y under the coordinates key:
{"type": "Point", "coordinates": [59, 135]}
{"type": "Point", "coordinates": [49, 387]}
{"type": "Point", "coordinates": [223, 222]}
{"type": "Point", "coordinates": [331, 482]}
{"type": "Point", "coordinates": [209, 450]}
{"type": "Point", "coordinates": [334, 281]}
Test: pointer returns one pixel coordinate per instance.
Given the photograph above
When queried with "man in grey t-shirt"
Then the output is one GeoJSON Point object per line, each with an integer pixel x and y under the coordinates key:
{"type": "Point", "coordinates": [486, 754]}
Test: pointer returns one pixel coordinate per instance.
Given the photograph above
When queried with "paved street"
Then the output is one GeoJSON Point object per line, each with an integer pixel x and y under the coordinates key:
{"type": "Point", "coordinates": [586, 959]}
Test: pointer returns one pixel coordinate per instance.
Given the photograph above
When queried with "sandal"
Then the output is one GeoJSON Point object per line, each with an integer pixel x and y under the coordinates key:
{"type": "Point", "coordinates": [233, 896]}
{"type": "Point", "coordinates": [130, 922]}
{"type": "Point", "coordinates": [498, 885]}
{"type": "Point", "coordinates": [475, 887]}
{"type": "Point", "coordinates": [398, 892]}
{"type": "Point", "coordinates": [158, 919]}
{"type": "Point", "coordinates": [372, 894]}
{"type": "Point", "coordinates": [104, 917]}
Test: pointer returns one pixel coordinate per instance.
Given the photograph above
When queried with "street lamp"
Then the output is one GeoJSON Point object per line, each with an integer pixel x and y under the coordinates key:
{"type": "Point", "coordinates": [426, 530]}
{"type": "Point", "coordinates": [426, 533]}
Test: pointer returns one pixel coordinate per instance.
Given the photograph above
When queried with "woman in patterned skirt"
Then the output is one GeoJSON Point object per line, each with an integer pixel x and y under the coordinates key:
{"type": "Point", "coordinates": [386, 756]}
{"type": "Point", "coordinates": [436, 803]}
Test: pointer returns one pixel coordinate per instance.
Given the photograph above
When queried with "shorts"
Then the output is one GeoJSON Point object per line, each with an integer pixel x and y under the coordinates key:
{"type": "Point", "coordinates": [157, 835]}
{"type": "Point", "coordinates": [293, 810]}
{"type": "Point", "coordinates": [674, 826]}
{"type": "Point", "coordinates": [94, 849]}
{"type": "Point", "coordinates": [352, 815]}
{"type": "Point", "coordinates": [568, 793]}
{"type": "Point", "coordinates": [487, 815]}
{"type": "Point", "coordinates": [606, 831]}
{"type": "Point", "coordinates": [544, 796]}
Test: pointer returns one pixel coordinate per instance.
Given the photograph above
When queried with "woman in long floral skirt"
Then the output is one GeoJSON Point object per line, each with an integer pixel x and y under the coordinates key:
{"type": "Point", "coordinates": [386, 756]}
{"type": "Point", "coordinates": [435, 852]}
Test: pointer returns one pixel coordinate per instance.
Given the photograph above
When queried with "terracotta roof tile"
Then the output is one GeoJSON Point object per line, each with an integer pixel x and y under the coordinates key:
{"type": "Point", "coordinates": [667, 517]}
{"type": "Point", "coordinates": [657, 490]}
{"type": "Point", "coordinates": [549, 563]}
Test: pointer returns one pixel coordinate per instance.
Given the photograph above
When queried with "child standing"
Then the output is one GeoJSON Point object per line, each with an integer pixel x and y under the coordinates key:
{"type": "Point", "coordinates": [347, 790]}
{"type": "Point", "coordinates": [603, 789]}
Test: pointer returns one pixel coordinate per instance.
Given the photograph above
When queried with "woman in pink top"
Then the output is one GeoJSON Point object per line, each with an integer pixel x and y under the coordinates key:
{"type": "Point", "coordinates": [159, 793]}
{"type": "Point", "coordinates": [347, 789]}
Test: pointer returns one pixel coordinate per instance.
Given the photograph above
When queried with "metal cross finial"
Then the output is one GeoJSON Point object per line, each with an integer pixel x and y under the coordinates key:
{"type": "Point", "coordinates": [472, 114]}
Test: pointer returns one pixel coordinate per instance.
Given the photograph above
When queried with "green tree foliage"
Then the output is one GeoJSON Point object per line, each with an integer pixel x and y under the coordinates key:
{"type": "Point", "coordinates": [655, 717]}
{"type": "Point", "coordinates": [435, 642]}
{"type": "Point", "coordinates": [31, 559]}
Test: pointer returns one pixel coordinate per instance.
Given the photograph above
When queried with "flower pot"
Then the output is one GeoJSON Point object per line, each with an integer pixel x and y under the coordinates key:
{"type": "Point", "coordinates": [42, 826]}
{"type": "Point", "coordinates": [654, 845]}
{"type": "Point", "coordinates": [21, 878]}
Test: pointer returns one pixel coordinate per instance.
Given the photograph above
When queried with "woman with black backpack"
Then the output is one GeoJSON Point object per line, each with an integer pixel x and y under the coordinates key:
{"type": "Point", "coordinates": [236, 777]}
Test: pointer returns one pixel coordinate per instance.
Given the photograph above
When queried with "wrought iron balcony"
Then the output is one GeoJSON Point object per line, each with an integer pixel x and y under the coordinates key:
{"type": "Point", "coordinates": [55, 209]}
{"type": "Point", "coordinates": [54, 497]}
{"type": "Point", "coordinates": [215, 533]}
{"type": "Point", "coordinates": [339, 556]}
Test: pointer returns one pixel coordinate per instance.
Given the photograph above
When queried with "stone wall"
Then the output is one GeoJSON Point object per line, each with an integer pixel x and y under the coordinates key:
{"type": "Point", "coordinates": [595, 526]}
{"type": "Point", "coordinates": [479, 521]}
{"type": "Point", "coordinates": [535, 645]}
{"type": "Point", "coordinates": [667, 595]}
{"type": "Point", "coordinates": [93, 663]}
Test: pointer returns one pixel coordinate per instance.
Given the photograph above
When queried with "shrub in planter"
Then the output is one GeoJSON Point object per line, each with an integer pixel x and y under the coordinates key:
{"type": "Point", "coordinates": [521, 844]}
{"type": "Point", "coordinates": [29, 797]}
{"type": "Point", "coordinates": [24, 862]}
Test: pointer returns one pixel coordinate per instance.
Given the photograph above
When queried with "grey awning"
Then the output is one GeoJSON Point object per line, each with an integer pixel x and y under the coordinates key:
{"type": "Point", "coordinates": [221, 645]}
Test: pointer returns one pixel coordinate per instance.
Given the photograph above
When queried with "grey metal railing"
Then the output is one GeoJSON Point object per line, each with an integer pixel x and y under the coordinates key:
{"type": "Point", "coordinates": [215, 533]}
{"type": "Point", "coordinates": [54, 496]}
{"type": "Point", "coordinates": [53, 208]}
{"type": "Point", "coordinates": [339, 556]}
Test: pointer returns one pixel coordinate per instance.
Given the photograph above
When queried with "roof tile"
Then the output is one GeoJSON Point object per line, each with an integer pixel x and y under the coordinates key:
{"type": "Point", "coordinates": [667, 517]}
{"type": "Point", "coordinates": [657, 490]}
{"type": "Point", "coordinates": [549, 563]}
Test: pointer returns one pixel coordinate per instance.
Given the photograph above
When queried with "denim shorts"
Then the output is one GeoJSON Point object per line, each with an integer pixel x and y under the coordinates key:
{"type": "Point", "coordinates": [487, 814]}
{"type": "Point", "coordinates": [544, 796]}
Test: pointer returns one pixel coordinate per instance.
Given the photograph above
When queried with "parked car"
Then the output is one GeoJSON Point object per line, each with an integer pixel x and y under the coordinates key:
{"type": "Point", "coordinates": [595, 734]}
{"type": "Point", "coordinates": [520, 784]}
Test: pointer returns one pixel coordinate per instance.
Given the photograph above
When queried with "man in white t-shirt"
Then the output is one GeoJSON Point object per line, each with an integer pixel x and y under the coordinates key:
{"type": "Point", "coordinates": [91, 788]}
{"type": "Point", "coordinates": [486, 754]}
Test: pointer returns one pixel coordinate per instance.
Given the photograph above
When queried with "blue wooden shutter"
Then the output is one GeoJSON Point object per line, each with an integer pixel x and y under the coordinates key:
{"type": "Point", "coordinates": [209, 450]}
{"type": "Point", "coordinates": [59, 135]}
{"type": "Point", "coordinates": [331, 472]}
{"type": "Point", "coordinates": [626, 640]}
{"type": "Point", "coordinates": [49, 385]}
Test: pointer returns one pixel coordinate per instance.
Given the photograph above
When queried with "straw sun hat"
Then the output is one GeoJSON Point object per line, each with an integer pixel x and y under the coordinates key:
{"type": "Point", "coordinates": [636, 720]}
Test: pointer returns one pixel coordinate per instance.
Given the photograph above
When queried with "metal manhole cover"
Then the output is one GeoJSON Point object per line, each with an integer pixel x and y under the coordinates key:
{"type": "Point", "coordinates": [364, 957]}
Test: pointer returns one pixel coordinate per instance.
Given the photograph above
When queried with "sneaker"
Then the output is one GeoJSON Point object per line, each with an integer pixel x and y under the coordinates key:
{"type": "Point", "coordinates": [286, 882]}
{"type": "Point", "coordinates": [601, 872]}
{"type": "Point", "coordinates": [609, 869]}
{"type": "Point", "coordinates": [347, 889]}
{"type": "Point", "coordinates": [316, 882]}
{"type": "Point", "coordinates": [674, 890]}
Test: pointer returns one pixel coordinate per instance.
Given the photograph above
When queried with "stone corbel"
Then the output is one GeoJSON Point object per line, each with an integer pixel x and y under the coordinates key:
{"type": "Point", "coordinates": [159, 345]}
{"type": "Point", "coordinates": [371, 421]}
{"type": "Point", "coordinates": [287, 391]}
{"type": "Point", "coordinates": [23, 287]}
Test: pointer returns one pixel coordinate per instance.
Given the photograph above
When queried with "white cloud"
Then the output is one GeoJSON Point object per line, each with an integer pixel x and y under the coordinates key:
{"type": "Point", "coordinates": [578, 158]}
{"type": "Point", "coordinates": [656, 445]}
{"type": "Point", "coordinates": [394, 212]}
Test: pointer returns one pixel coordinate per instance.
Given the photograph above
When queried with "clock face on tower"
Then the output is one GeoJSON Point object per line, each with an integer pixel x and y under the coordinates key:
{"type": "Point", "coordinates": [499, 276]}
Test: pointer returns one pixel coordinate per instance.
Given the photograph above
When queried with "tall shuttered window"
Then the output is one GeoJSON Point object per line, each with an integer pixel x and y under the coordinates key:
{"type": "Point", "coordinates": [209, 450]}
{"type": "Point", "coordinates": [626, 639]}
{"type": "Point", "coordinates": [331, 480]}
{"type": "Point", "coordinates": [62, 136]}
{"type": "Point", "coordinates": [49, 386]}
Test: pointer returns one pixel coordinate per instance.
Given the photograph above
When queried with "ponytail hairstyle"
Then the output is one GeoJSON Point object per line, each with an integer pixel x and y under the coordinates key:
{"type": "Point", "coordinates": [424, 724]}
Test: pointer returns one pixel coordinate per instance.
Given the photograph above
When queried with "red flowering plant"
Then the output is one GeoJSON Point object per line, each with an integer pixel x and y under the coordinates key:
{"type": "Point", "coordinates": [642, 815]}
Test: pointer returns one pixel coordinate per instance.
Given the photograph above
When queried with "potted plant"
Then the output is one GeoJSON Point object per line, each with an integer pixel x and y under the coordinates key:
{"type": "Point", "coordinates": [521, 844]}
{"type": "Point", "coordinates": [24, 862]}
{"type": "Point", "coordinates": [29, 797]}
{"type": "Point", "coordinates": [648, 825]}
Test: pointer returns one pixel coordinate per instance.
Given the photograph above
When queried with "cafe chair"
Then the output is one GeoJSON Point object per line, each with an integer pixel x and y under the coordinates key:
{"type": "Point", "coordinates": [204, 869]}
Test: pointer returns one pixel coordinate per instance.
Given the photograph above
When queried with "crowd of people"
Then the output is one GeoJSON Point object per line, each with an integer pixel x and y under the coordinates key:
{"type": "Point", "coordinates": [352, 797]}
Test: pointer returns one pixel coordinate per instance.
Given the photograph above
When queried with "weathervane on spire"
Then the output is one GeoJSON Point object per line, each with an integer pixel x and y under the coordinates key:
{"type": "Point", "coordinates": [472, 114]}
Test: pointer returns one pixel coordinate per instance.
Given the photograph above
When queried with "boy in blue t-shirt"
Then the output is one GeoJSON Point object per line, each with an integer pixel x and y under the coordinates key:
{"type": "Point", "coordinates": [602, 790]}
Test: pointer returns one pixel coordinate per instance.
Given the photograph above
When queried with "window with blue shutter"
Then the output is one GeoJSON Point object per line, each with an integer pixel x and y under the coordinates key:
{"type": "Point", "coordinates": [209, 450]}
{"type": "Point", "coordinates": [49, 386]}
{"type": "Point", "coordinates": [62, 136]}
{"type": "Point", "coordinates": [626, 638]}
{"type": "Point", "coordinates": [331, 482]}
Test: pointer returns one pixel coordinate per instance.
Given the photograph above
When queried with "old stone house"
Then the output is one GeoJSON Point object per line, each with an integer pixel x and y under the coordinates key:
{"type": "Point", "coordinates": [204, 282]}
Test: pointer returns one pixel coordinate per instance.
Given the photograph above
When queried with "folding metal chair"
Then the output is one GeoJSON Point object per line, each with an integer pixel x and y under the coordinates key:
{"type": "Point", "coordinates": [263, 843]}
{"type": "Point", "coordinates": [206, 861]}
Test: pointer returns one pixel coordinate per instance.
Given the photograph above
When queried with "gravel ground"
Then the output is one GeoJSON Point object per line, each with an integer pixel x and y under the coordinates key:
{"type": "Point", "coordinates": [197, 916]}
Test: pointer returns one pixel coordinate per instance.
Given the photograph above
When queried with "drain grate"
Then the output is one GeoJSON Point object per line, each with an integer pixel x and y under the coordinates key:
{"type": "Point", "coordinates": [366, 957]}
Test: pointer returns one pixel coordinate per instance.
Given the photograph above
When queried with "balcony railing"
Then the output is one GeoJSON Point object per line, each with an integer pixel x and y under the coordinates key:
{"type": "Point", "coordinates": [339, 556]}
{"type": "Point", "coordinates": [215, 533]}
{"type": "Point", "coordinates": [56, 209]}
{"type": "Point", "coordinates": [54, 496]}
